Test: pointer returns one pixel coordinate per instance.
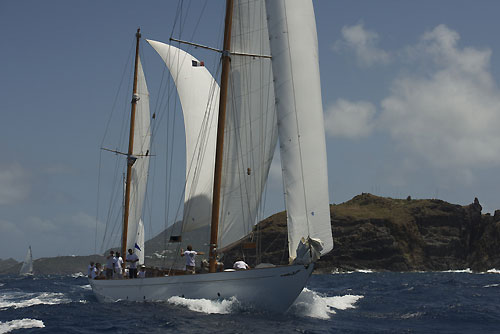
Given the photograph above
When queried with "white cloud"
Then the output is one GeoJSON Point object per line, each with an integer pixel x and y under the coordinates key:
{"type": "Point", "coordinates": [364, 44]}
{"type": "Point", "coordinates": [450, 113]}
{"type": "Point", "coordinates": [14, 184]}
{"type": "Point", "coordinates": [350, 119]}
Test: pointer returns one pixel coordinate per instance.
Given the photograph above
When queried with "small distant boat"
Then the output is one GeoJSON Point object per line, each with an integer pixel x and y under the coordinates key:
{"type": "Point", "coordinates": [27, 267]}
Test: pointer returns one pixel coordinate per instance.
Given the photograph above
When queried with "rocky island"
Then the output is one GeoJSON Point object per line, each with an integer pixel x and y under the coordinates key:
{"type": "Point", "coordinates": [369, 232]}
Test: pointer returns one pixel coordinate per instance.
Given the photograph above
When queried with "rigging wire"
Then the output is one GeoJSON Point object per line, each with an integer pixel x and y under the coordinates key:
{"type": "Point", "coordinates": [107, 129]}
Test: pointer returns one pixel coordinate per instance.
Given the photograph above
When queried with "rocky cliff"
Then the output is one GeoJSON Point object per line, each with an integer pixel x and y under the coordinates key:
{"type": "Point", "coordinates": [372, 232]}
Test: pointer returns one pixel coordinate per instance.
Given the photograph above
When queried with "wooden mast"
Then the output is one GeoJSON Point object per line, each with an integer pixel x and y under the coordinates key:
{"type": "Point", "coordinates": [226, 59]}
{"type": "Point", "coordinates": [130, 158]}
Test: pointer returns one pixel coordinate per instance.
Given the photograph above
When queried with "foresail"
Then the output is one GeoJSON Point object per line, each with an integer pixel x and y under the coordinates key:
{"type": "Point", "coordinates": [250, 131]}
{"type": "Point", "coordinates": [199, 96]}
{"type": "Point", "coordinates": [142, 142]}
{"type": "Point", "coordinates": [293, 39]}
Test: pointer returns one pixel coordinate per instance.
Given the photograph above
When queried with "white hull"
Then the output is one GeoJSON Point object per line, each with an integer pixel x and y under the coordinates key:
{"type": "Point", "coordinates": [273, 289]}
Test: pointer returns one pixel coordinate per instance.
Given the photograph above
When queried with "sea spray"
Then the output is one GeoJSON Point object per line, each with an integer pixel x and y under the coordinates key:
{"type": "Point", "coordinates": [8, 326]}
{"type": "Point", "coordinates": [314, 305]}
{"type": "Point", "coordinates": [223, 306]}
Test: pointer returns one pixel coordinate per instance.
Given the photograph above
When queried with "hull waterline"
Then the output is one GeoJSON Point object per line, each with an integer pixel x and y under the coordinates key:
{"type": "Point", "coordinates": [272, 289]}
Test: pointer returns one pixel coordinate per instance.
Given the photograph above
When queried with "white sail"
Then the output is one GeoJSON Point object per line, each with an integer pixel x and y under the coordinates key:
{"type": "Point", "coordinates": [294, 47]}
{"type": "Point", "coordinates": [199, 96]}
{"type": "Point", "coordinates": [27, 267]}
{"type": "Point", "coordinates": [139, 242]}
{"type": "Point", "coordinates": [250, 130]}
{"type": "Point", "coordinates": [142, 141]}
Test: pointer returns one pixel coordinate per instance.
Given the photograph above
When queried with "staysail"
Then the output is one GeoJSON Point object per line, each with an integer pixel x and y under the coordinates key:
{"type": "Point", "coordinates": [142, 142]}
{"type": "Point", "coordinates": [199, 96]}
{"type": "Point", "coordinates": [294, 47]}
{"type": "Point", "coordinates": [27, 267]}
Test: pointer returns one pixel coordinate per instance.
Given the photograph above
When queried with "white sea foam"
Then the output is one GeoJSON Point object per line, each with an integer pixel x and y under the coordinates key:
{"type": "Point", "coordinates": [19, 300]}
{"type": "Point", "coordinates": [362, 271]}
{"type": "Point", "coordinates": [78, 274]}
{"type": "Point", "coordinates": [86, 287]}
{"type": "Point", "coordinates": [8, 326]}
{"type": "Point", "coordinates": [311, 304]}
{"type": "Point", "coordinates": [224, 306]}
{"type": "Point", "coordinates": [493, 271]}
{"type": "Point", "coordinates": [491, 285]}
{"type": "Point", "coordinates": [467, 271]}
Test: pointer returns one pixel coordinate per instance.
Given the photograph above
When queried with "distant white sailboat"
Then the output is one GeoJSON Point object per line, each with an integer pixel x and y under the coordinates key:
{"type": "Point", "coordinates": [270, 87]}
{"type": "Point", "coordinates": [27, 267]}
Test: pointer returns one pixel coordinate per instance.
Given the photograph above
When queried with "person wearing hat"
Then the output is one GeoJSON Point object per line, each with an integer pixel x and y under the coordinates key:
{"type": "Point", "coordinates": [142, 272]}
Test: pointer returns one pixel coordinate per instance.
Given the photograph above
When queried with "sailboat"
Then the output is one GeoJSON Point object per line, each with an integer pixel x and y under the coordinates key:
{"type": "Point", "coordinates": [27, 267]}
{"type": "Point", "coordinates": [269, 88]}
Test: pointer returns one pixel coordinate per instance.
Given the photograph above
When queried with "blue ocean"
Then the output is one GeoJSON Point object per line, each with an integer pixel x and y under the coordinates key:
{"type": "Point", "coordinates": [358, 302]}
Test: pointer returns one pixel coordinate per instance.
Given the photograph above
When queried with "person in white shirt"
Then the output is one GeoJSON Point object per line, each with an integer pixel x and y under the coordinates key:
{"type": "Point", "coordinates": [190, 255]}
{"type": "Point", "coordinates": [240, 265]}
{"type": "Point", "coordinates": [93, 273]}
{"type": "Point", "coordinates": [90, 268]}
{"type": "Point", "coordinates": [132, 260]}
{"type": "Point", "coordinates": [118, 266]}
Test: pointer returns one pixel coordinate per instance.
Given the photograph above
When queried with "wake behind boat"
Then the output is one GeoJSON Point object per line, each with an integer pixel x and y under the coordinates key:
{"type": "Point", "coordinates": [269, 87]}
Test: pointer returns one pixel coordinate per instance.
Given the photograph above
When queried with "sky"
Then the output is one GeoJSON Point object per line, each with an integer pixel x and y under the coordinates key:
{"type": "Point", "coordinates": [410, 93]}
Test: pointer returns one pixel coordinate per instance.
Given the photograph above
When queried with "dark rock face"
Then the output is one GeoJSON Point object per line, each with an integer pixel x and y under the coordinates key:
{"type": "Point", "coordinates": [379, 233]}
{"type": "Point", "coordinates": [407, 235]}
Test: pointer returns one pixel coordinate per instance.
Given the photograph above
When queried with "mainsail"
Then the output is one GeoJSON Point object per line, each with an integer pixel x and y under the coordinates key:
{"type": "Point", "coordinates": [27, 267]}
{"type": "Point", "coordinates": [250, 130]}
{"type": "Point", "coordinates": [294, 47]}
{"type": "Point", "coordinates": [142, 140]}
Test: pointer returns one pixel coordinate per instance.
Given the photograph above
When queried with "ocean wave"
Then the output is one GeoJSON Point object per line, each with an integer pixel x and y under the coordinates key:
{"type": "Point", "coordinates": [314, 305]}
{"type": "Point", "coordinates": [8, 326]}
{"type": "Point", "coordinates": [86, 287]}
{"type": "Point", "coordinates": [223, 306]}
{"type": "Point", "coordinates": [493, 271]}
{"type": "Point", "coordinates": [20, 300]}
{"type": "Point", "coordinates": [491, 286]}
